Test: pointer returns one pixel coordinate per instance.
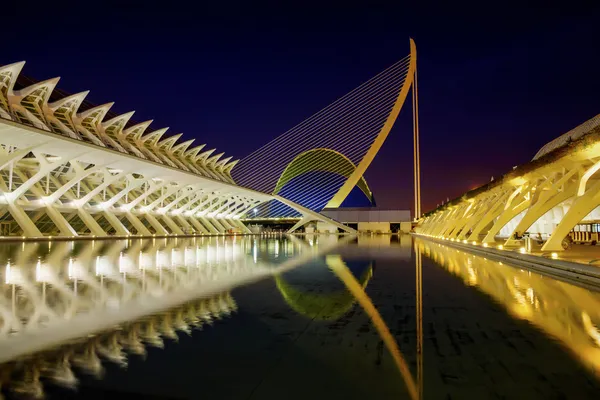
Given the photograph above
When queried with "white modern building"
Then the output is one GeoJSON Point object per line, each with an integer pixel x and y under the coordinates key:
{"type": "Point", "coordinates": [70, 169]}
{"type": "Point", "coordinates": [555, 195]}
{"type": "Point", "coordinates": [370, 219]}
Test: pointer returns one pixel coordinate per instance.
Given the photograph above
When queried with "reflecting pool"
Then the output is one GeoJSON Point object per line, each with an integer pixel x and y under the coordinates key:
{"type": "Point", "coordinates": [296, 317]}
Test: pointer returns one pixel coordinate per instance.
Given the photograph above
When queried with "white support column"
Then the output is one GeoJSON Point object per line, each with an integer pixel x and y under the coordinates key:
{"type": "Point", "coordinates": [172, 225]}
{"type": "Point", "coordinates": [79, 176]}
{"type": "Point", "coordinates": [116, 223]}
{"type": "Point", "coordinates": [149, 191]}
{"type": "Point", "coordinates": [24, 222]}
{"type": "Point", "coordinates": [485, 206]}
{"type": "Point", "coordinates": [133, 184]}
{"type": "Point", "coordinates": [91, 223]}
{"type": "Point", "coordinates": [460, 212]}
{"type": "Point", "coordinates": [306, 212]}
{"type": "Point", "coordinates": [189, 204]}
{"type": "Point", "coordinates": [514, 195]}
{"type": "Point", "coordinates": [216, 223]}
{"type": "Point", "coordinates": [84, 215]}
{"type": "Point", "coordinates": [225, 223]}
{"type": "Point", "coordinates": [239, 224]}
{"type": "Point", "coordinates": [582, 206]}
{"type": "Point", "coordinates": [244, 209]}
{"type": "Point", "coordinates": [193, 191]}
{"type": "Point", "coordinates": [138, 225]}
{"type": "Point", "coordinates": [11, 158]}
{"type": "Point", "coordinates": [199, 207]}
{"type": "Point", "coordinates": [109, 179]}
{"type": "Point", "coordinates": [184, 223]}
{"type": "Point", "coordinates": [201, 228]}
{"type": "Point", "coordinates": [226, 204]}
{"type": "Point", "coordinates": [45, 169]}
{"type": "Point", "coordinates": [156, 203]}
{"type": "Point", "coordinates": [61, 223]}
{"type": "Point", "coordinates": [303, 221]}
{"type": "Point", "coordinates": [59, 220]}
{"type": "Point", "coordinates": [208, 225]}
{"type": "Point", "coordinates": [160, 230]}
{"type": "Point", "coordinates": [450, 215]}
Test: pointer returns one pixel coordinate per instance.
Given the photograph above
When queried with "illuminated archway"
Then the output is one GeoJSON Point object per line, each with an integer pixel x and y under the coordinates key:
{"type": "Point", "coordinates": [323, 160]}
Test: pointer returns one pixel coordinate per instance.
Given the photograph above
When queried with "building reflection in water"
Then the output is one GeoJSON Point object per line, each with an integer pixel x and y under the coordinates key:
{"type": "Point", "coordinates": [564, 311]}
{"type": "Point", "coordinates": [316, 292]}
{"type": "Point", "coordinates": [319, 298]}
{"type": "Point", "coordinates": [76, 305]}
{"type": "Point", "coordinates": [24, 376]}
{"type": "Point", "coordinates": [71, 304]}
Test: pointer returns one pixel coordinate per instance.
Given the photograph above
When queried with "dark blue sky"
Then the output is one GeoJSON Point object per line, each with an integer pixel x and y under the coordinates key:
{"type": "Point", "coordinates": [494, 84]}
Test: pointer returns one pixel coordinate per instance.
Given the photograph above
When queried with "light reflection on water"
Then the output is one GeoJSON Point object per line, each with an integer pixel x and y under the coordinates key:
{"type": "Point", "coordinates": [65, 304]}
{"type": "Point", "coordinates": [68, 306]}
{"type": "Point", "coordinates": [47, 282]}
{"type": "Point", "coordinates": [565, 312]}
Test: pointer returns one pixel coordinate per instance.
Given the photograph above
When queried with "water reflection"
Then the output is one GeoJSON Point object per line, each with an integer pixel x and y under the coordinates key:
{"type": "Point", "coordinates": [66, 304]}
{"type": "Point", "coordinates": [75, 308]}
{"type": "Point", "coordinates": [339, 267]}
{"type": "Point", "coordinates": [24, 376]}
{"type": "Point", "coordinates": [566, 312]}
{"type": "Point", "coordinates": [313, 291]}
{"type": "Point", "coordinates": [316, 292]}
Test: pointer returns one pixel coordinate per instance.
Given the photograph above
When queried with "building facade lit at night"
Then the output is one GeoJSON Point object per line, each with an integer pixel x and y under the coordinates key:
{"type": "Point", "coordinates": [69, 169]}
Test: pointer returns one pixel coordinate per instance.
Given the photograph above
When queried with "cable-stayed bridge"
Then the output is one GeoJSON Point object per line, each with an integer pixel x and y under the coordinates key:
{"type": "Point", "coordinates": [319, 161]}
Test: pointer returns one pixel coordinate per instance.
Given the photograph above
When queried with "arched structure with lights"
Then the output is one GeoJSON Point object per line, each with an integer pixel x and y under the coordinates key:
{"type": "Point", "coordinates": [549, 197]}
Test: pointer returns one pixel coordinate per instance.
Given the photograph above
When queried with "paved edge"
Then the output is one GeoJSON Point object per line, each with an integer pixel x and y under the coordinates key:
{"type": "Point", "coordinates": [582, 275]}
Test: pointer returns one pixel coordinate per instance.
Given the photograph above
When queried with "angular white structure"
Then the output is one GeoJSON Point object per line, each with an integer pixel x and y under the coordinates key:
{"type": "Point", "coordinates": [555, 195]}
{"type": "Point", "coordinates": [66, 170]}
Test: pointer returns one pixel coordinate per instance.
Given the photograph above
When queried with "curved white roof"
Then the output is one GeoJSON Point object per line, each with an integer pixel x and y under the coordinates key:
{"type": "Point", "coordinates": [573, 134]}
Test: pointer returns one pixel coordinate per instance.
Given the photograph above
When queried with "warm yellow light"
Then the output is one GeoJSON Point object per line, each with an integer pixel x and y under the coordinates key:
{"type": "Point", "coordinates": [554, 255]}
{"type": "Point", "coordinates": [522, 250]}
{"type": "Point", "coordinates": [485, 245]}
{"type": "Point", "coordinates": [465, 241]}
{"type": "Point", "coordinates": [474, 242]}
{"type": "Point", "coordinates": [500, 247]}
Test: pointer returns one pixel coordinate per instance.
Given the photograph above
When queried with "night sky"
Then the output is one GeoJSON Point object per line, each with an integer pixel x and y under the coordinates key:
{"type": "Point", "coordinates": [494, 84]}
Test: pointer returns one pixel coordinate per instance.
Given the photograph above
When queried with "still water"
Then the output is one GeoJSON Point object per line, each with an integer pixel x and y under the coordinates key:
{"type": "Point", "coordinates": [288, 317]}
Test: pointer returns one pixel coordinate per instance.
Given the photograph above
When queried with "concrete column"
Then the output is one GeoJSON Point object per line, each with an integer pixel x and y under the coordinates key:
{"type": "Point", "coordinates": [114, 221]}
{"type": "Point", "coordinates": [184, 223]}
{"type": "Point", "coordinates": [217, 225]}
{"type": "Point", "coordinates": [139, 226]}
{"type": "Point", "coordinates": [208, 225]}
{"type": "Point", "coordinates": [61, 223]}
{"type": "Point", "coordinates": [160, 230]}
{"type": "Point", "coordinates": [198, 225]}
{"type": "Point", "coordinates": [171, 224]}
{"type": "Point", "coordinates": [91, 223]}
{"type": "Point", "coordinates": [28, 227]}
